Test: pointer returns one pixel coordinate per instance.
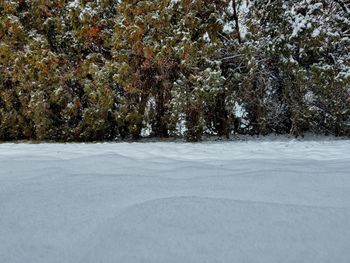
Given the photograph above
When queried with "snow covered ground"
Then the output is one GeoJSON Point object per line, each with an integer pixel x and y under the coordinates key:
{"type": "Point", "coordinates": [258, 201]}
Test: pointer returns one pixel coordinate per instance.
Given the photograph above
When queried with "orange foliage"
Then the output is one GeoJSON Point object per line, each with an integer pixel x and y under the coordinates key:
{"type": "Point", "coordinates": [94, 31]}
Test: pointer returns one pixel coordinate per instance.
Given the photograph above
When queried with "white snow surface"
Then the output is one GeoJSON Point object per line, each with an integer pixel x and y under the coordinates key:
{"type": "Point", "coordinates": [255, 201]}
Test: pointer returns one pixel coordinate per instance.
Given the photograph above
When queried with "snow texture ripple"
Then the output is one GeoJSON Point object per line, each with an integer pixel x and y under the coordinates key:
{"type": "Point", "coordinates": [257, 201]}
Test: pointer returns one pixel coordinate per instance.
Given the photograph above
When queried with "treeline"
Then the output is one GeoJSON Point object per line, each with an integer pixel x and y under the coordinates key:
{"type": "Point", "coordinates": [85, 70]}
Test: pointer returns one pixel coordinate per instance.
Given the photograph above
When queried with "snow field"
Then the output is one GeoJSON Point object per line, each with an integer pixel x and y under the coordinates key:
{"type": "Point", "coordinates": [256, 201]}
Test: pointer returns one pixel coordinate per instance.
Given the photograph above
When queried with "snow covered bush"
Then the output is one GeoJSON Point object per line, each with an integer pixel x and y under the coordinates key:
{"type": "Point", "coordinates": [85, 70]}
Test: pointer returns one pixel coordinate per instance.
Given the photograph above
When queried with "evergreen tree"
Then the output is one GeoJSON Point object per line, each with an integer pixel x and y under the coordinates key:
{"type": "Point", "coordinates": [88, 70]}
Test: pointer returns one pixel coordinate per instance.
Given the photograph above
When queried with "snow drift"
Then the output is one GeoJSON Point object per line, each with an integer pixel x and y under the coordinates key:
{"type": "Point", "coordinates": [258, 201]}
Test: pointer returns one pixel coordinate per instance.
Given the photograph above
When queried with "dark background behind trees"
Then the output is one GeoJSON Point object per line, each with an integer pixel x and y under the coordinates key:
{"type": "Point", "coordinates": [102, 70]}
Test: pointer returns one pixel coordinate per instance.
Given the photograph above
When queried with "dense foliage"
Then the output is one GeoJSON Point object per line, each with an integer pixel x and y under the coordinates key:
{"type": "Point", "coordinates": [85, 70]}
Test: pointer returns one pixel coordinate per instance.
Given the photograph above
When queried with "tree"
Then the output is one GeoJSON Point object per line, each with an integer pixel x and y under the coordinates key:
{"type": "Point", "coordinates": [292, 45]}
{"type": "Point", "coordinates": [161, 43]}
